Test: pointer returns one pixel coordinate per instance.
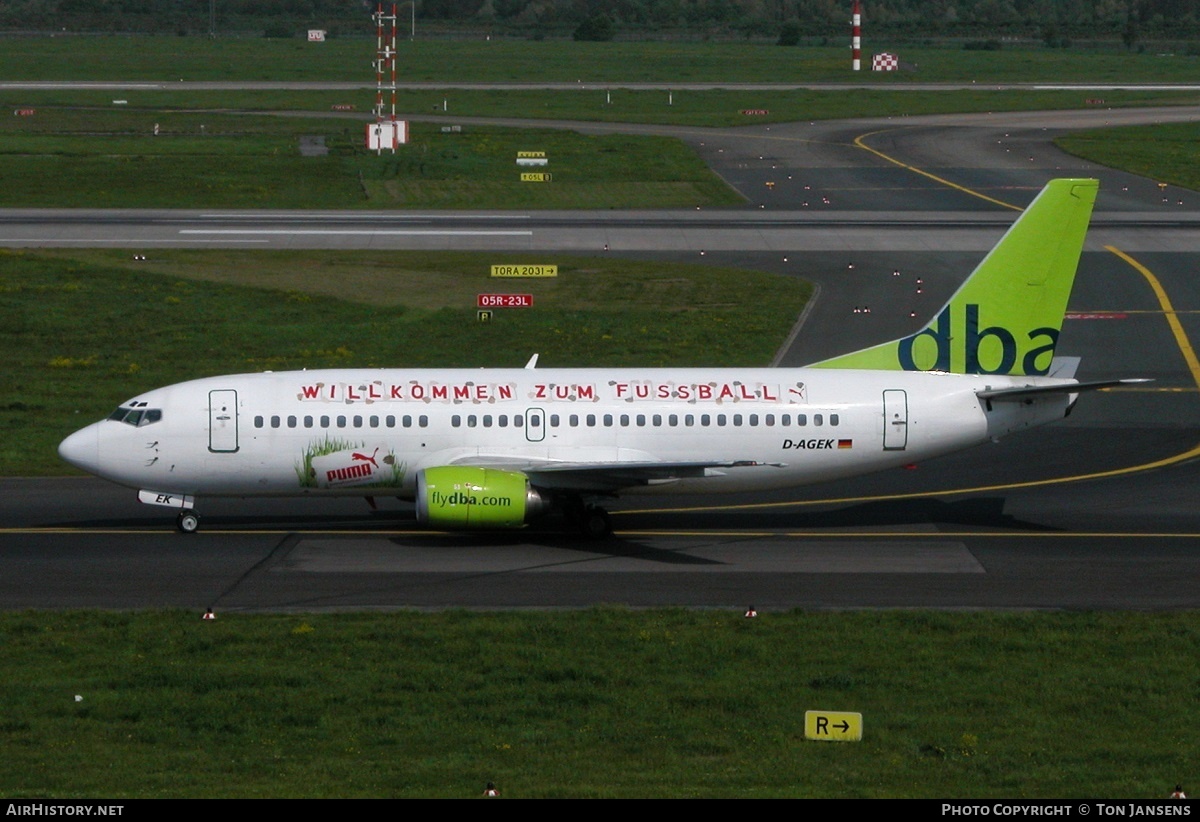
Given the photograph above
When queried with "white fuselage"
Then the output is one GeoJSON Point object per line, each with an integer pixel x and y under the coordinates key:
{"type": "Point", "coordinates": [368, 432]}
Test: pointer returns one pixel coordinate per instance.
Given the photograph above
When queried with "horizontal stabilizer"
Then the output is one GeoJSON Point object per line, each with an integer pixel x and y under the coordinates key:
{"type": "Point", "coordinates": [1027, 391]}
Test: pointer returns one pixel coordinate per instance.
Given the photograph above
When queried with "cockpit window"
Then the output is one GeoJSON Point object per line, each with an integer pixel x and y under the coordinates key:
{"type": "Point", "coordinates": [137, 417]}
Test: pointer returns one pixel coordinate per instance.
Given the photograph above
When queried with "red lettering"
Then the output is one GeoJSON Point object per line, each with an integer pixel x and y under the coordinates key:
{"type": "Point", "coordinates": [462, 392]}
{"type": "Point", "coordinates": [348, 473]}
{"type": "Point", "coordinates": [587, 392]}
{"type": "Point", "coordinates": [664, 391]}
{"type": "Point", "coordinates": [373, 391]}
{"type": "Point", "coordinates": [506, 392]}
{"type": "Point", "coordinates": [440, 392]}
{"type": "Point", "coordinates": [641, 391]}
{"type": "Point", "coordinates": [310, 392]}
{"type": "Point", "coordinates": [350, 395]}
{"type": "Point", "coordinates": [704, 391]}
{"type": "Point", "coordinates": [539, 392]}
{"type": "Point", "coordinates": [396, 394]}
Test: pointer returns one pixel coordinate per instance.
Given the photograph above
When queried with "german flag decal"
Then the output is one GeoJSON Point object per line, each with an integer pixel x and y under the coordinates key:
{"type": "Point", "coordinates": [845, 443]}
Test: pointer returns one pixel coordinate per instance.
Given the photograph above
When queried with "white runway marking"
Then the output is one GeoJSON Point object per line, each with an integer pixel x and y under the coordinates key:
{"type": "Point", "coordinates": [129, 241]}
{"type": "Point", "coordinates": [366, 232]}
{"type": "Point", "coordinates": [345, 216]}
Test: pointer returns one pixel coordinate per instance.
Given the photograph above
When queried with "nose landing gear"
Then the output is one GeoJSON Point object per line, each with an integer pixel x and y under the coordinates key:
{"type": "Point", "coordinates": [187, 521]}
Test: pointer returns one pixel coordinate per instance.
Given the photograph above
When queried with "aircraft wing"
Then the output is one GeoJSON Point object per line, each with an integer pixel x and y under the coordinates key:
{"type": "Point", "coordinates": [604, 477]}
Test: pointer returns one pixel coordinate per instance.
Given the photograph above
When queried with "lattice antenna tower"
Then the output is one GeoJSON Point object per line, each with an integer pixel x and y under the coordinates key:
{"type": "Point", "coordinates": [385, 66]}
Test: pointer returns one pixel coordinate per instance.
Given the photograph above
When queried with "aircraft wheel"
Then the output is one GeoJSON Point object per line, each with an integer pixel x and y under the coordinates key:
{"type": "Point", "coordinates": [595, 523]}
{"type": "Point", "coordinates": [187, 522]}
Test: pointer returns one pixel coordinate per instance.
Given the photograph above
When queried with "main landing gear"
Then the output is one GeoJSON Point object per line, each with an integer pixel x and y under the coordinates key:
{"type": "Point", "coordinates": [595, 523]}
{"type": "Point", "coordinates": [187, 521]}
{"type": "Point", "coordinates": [592, 521]}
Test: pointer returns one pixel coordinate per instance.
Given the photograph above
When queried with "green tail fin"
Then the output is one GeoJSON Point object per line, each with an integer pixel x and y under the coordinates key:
{"type": "Point", "coordinates": [1005, 319]}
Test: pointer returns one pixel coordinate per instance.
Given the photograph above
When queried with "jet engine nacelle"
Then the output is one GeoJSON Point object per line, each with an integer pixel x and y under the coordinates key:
{"type": "Point", "coordinates": [468, 497]}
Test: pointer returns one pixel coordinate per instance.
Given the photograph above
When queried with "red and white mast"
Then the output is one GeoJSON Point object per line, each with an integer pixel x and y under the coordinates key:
{"type": "Point", "coordinates": [856, 37]}
{"type": "Point", "coordinates": [385, 65]}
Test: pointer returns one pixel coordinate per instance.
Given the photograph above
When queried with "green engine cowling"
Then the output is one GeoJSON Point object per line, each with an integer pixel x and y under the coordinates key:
{"type": "Point", "coordinates": [469, 497]}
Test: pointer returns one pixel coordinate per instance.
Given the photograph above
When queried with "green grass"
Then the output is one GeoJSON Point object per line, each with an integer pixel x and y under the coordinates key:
{"type": "Point", "coordinates": [85, 330]}
{"type": "Point", "coordinates": [111, 159]}
{"type": "Point", "coordinates": [595, 103]}
{"type": "Point", "coordinates": [596, 703]}
{"type": "Point", "coordinates": [1166, 153]}
{"type": "Point", "coordinates": [724, 108]}
{"type": "Point", "coordinates": [719, 108]}
{"type": "Point", "coordinates": [80, 150]}
{"type": "Point", "coordinates": [470, 61]}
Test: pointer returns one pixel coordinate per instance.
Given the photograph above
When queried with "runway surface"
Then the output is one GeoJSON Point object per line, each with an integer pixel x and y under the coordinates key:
{"type": "Point", "coordinates": [1094, 512]}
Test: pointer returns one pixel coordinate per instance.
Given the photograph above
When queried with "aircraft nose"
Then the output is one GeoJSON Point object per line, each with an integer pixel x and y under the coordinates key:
{"type": "Point", "coordinates": [82, 449]}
